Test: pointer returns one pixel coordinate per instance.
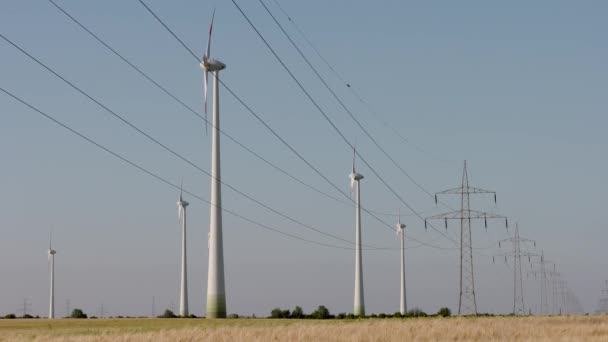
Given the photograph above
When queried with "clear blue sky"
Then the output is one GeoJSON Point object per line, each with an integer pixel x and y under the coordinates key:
{"type": "Point", "coordinates": [518, 89]}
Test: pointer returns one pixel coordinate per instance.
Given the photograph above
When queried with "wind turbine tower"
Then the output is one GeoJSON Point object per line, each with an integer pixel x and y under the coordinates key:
{"type": "Point", "coordinates": [52, 253]}
{"type": "Point", "coordinates": [355, 179]}
{"type": "Point", "coordinates": [183, 294]}
{"type": "Point", "coordinates": [400, 231]}
{"type": "Point", "coordinates": [216, 293]}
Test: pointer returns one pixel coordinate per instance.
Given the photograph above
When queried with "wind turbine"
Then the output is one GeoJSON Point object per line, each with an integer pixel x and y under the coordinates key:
{"type": "Point", "coordinates": [355, 178]}
{"type": "Point", "coordinates": [51, 257]}
{"type": "Point", "coordinates": [216, 294]}
{"type": "Point", "coordinates": [403, 301]}
{"type": "Point", "coordinates": [183, 294]}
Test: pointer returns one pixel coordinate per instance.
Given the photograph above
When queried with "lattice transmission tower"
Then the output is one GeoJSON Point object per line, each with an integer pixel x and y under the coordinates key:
{"type": "Point", "coordinates": [547, 270]}
{"type": "Point", "coordinates": [467, 304]}
{"type": "Point", "coordinates": [519, 306]}
{"type": "Point", "coordinates": [602, 304]}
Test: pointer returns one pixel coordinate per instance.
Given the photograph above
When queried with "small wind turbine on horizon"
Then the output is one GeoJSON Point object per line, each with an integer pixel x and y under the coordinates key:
{"type": "Point", "coordinates": [183, 294]}
{"type": "Point", "coordinates": [355, 186]}
{"type": "Point", "coordinates": [400, 227]}
{"type": "Point", "coordinates": [216, 293]}
{"type": "Point", "coordinates": [51, 259]}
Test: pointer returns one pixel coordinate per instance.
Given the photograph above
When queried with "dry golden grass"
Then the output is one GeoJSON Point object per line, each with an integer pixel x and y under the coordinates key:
{"type": "Point", "coordinates": [580, 328]}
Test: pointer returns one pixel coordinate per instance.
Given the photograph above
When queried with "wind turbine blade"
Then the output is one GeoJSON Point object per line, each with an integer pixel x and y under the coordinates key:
{"type": "Point", "coordinates": [208, 51]}
{"type": "Point", "coordinates": [354, 153]}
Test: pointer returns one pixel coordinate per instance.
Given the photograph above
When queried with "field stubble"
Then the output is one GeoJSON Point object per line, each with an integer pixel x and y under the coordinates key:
{"type": "Point", "coordinates": [569, 328]}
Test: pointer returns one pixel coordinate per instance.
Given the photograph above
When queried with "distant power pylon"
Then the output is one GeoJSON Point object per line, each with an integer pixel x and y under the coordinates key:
{"type": "Point", "coordinates": [519, 306]}
{"type": "Point", "coordinates": [26, 305]}
{"type": "Point", "coordinates": [547, 276]}
{"type": "Point", "coordinates": [467, 305]}
{"type": "Point", "coordinates": [602, 304]}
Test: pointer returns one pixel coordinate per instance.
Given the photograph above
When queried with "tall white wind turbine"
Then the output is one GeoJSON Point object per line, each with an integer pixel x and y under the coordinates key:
{"type": "Point", "coordinates": [216, 293]}
{"type": "Point", "coordinates": [359, 305]}
{"type": "Point", "coordinates": [183, 294]}
{"type": "Point", "coordinates": [400, 227]}
{"type": "Point", "coordinates": [52, 253]}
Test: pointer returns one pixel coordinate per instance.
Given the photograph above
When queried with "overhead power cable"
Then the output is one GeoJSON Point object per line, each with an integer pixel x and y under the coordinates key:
{"type": "Point", "coordinates": [283, 141]}
{"type": "Point", "coordinates": [322, 112]}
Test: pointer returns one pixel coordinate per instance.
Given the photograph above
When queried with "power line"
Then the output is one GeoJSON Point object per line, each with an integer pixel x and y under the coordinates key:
{"type": "Point", "coordinates": [283, 141]}
{"type": "Point", "coordinates": [316, 105]}
{"type": "Point", "coordinates": [350, 87]}
{"type": "Point", "coordinates": [165, 147]}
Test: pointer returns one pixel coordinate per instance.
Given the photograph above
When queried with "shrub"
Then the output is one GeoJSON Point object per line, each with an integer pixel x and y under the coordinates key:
{"type": "Point", "coordinates": [27, 316]}
{"type": "Point", "coordinates": [278, 313]}
{"type": "Point", "coordinates": [10, 316]}
{"type": "Point", "coordinates": [416, 312]}
{"type": "Point", "coordinates": [168, 314]}
{"type": "Point", "coordinates": [321, 313]}
{"type": "Point", "coordinates": [397, 314]}
{"type": "Point", "coordinates": [350, 316]}
{"type": "Point", "coordinates": [78, 313]}
{"type": "Point", "coordinates": [444, 312]}
{"type": "Point", "coordinates": [233, 316]}
{"type": "Point", "coordinates": [297, 313]}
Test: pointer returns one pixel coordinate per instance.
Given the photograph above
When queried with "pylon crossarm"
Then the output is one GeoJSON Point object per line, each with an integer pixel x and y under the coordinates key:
{"type": "Point", "coordinates": [460, 191]}
{"type": "Point", "coordinates": [469, 214]}
{"type": "Point", "coordinates": [454, 191]}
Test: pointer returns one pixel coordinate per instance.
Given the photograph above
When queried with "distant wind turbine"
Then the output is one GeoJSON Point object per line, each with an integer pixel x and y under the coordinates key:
{"type": "Point", "coordinates": [355, 186]}
{"type": "Point", "coordinates": [216, 293]}
{"type": "Point", "coordinates": [183, 294]}
{"type": "Point", "coordinates": [400, 231]}
{"type": "Point", "coordinates": [51, 258]}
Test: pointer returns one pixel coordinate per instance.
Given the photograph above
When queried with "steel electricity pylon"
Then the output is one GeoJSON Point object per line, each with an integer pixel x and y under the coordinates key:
{"type": "Point", "coordinates": [547, 271]}
{"type": "Point", "coordinates": [519, 306]}
{"type": "Point", "coordinates": [602, 304]}
{"type": "Point", "coordinates": [467, 304]}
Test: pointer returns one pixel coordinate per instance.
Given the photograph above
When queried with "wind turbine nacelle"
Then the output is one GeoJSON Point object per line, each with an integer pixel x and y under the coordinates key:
{"type": "Point", "coordinates": [52, 252]}
{"type": "Point", "coordinates": [356, 176]}
{"type": "Point", "coordinates": [212, 64]}
{"type": "Point", "coordinates": [182, 203]}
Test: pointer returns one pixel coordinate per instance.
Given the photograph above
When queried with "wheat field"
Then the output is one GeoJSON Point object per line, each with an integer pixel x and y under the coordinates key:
{"type": "Point", "coordinates": [568, 328]}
